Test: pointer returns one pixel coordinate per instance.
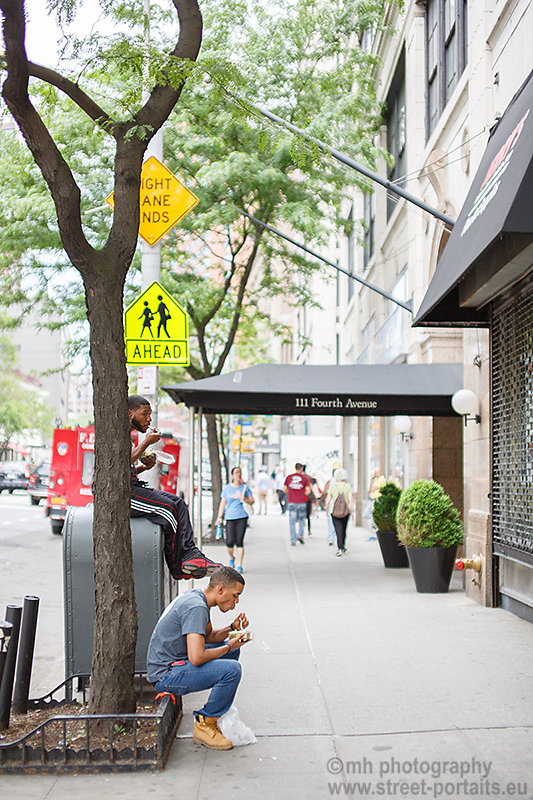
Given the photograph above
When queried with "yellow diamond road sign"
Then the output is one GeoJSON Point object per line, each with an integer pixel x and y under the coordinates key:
{"type": "Point", "coordinates": [163, 201]}
{"type": "Point", "coordinates": [156, 329]}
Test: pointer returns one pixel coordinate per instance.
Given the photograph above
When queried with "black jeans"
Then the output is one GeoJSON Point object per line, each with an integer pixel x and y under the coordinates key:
{"type": "Point", "coordinates": [282, 497]}
{"type": "Point", "coordinates": [340, 524]}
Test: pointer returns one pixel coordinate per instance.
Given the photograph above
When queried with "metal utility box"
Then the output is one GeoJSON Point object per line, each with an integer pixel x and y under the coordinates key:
{"type": "Point", "coordinates": [154, 588]}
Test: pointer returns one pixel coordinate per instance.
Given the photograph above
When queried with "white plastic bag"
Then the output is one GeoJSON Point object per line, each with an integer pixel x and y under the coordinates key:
{"type": "Point", "coordinates": [235, 730]}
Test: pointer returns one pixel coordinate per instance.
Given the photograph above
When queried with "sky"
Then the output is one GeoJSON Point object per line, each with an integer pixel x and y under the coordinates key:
{"type": "Point", "coordinates": [41, 34]}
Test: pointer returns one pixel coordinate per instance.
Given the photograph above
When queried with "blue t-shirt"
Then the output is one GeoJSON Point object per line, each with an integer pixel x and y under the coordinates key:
{"type": "Point", "coordinates": [234, 496]}
{"type": "Point", "coordinates": [188, 613]}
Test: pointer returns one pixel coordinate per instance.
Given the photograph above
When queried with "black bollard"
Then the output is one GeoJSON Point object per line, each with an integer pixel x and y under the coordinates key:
{"type": "Point", "coordinates": [5, 636]}
{"type": "Point", "coordinates": [13, 615]}
{"type": "Point", "coordinates": [25, 656]}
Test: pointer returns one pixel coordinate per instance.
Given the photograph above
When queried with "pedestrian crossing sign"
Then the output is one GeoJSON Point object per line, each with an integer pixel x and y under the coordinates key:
{"type": "Point", "coordinates": [156, 329]}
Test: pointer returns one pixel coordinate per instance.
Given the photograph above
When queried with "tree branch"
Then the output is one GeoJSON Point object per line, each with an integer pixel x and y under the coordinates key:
{"type": "Point", "coordinates": [240, 297]}
{"type": "Point", "coordinates": [130, 151]}
{"type": "Point", "coordinates": [77, 95]}
{"type": "Point", "coordinates": [200, 335]}
{"type": "Point", "coordinates": [222, 294]}
{"type": "Point", "coordinates": [163, 98]}
{"type": "Point", "coordinates": [55, 170]}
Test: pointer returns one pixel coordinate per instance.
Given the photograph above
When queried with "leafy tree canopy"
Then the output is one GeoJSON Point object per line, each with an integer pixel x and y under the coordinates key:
{"type": "Point", "coordinates": [300, 60]}
{"type": "Point", "coordinates": [21, 408]}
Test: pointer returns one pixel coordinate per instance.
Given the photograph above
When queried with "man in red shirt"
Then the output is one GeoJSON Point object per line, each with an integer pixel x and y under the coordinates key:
{"type": "Point", "coordinates": [297, 486]}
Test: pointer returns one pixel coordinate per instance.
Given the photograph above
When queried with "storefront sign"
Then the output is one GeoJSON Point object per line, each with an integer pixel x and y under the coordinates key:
{"type": "Point", "coordinates": [337, 403]}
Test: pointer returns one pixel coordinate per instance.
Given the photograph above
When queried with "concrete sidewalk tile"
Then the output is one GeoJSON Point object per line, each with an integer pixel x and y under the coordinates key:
{"type": "Point", "coordinates": [26, 787]}
{"type": "Point", "coordinates": [377, 718]}
{"type": "Point", "coordinates": [359, 666]}
{"type": "Point", "coordinates": [435, 757]}
{"type": "Point", "coordinates": [282, 700]}
{"type": "Point", "coordinates": [510, 753]}
{"type": "Point", "coordinates": [277, 766]}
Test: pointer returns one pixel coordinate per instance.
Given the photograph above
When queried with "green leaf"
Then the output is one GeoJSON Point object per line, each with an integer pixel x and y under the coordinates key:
{"type": "Point", "coordinates": [426, 517]}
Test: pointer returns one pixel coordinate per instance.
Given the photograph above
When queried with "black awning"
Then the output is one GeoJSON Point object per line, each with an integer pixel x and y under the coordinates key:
{"type": "Point", "coordinates": [491, 245]}
{"type": "Point", "coordinates": [361, 390]}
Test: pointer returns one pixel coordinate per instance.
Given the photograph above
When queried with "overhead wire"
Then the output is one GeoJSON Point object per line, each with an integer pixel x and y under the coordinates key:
{"type": "Point", "coordinates": [422, 172]}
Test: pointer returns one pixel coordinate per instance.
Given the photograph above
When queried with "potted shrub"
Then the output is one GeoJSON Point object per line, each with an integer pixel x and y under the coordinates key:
{"type": "Point", "coordinates": [430, 527]}
{"type": "Point", "coordinates": [384, 516]}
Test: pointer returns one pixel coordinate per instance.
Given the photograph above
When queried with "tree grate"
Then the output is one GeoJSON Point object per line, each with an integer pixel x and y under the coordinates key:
{"type": "Point", "coordinates": [42, 750]}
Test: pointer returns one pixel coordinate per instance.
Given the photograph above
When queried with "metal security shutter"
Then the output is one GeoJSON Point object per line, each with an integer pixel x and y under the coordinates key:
{"type": "Point", "coordinates": [512, 419]}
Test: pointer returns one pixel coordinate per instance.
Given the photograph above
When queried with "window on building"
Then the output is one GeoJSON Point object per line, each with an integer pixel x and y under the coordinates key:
{"type": "Point", "coordinates": [396, 129]}
{"type": "Point", "coordinates": [390, 339]}
{"type": "Point", "coordinates": [368, 335]}
{"type": "Point", "coordinates": [446, 53]}
{"type": "Point", "coordinates": [369, 217]}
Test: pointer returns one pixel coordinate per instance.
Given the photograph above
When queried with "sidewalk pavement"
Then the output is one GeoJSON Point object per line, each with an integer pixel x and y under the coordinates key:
{"type": "Point", "coordinates": [355, 685]}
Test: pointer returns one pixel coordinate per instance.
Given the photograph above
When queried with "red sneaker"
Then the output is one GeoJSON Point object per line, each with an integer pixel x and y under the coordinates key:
{"type": "Point", "coordinates": [199, 567]}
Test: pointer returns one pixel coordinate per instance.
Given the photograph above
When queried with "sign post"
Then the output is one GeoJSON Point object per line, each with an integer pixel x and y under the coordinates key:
{"type": "Point", "coordinates": [163, 202]}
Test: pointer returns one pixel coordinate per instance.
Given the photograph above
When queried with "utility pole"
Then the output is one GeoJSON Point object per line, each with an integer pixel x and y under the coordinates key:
{"type": "Point", "coordinates": [151, 254]}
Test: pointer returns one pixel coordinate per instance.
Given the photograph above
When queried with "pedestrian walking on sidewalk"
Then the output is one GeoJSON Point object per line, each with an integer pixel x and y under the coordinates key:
{"type": "Point", "coordinates": [186, 655]}
{"type": "Point", "coordinates": [183, 558]}
{"type": "Point", "coordinates": [312, 499]}
{"type": "Point", "coordinates": [279, 483]}
{"type": "Point", "coordinates": [297, 486]}
{"type": "Point", "coordinates": [340, 497]}
{"type": "Point", "coordinates": [324, 498]}
{"type": "Point", "coordinates": [232, 510]}
{"type": "Point", "coordinates": [263, 488]}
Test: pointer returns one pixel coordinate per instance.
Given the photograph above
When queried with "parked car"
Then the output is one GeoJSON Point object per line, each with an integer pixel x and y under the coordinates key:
{"type": "Point", "coordinates": [38, 484]}
{"type": "Point", "coordinates": [13, 475]}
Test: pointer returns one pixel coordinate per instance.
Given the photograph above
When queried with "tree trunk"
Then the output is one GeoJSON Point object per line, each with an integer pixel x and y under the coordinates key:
{"type": "Point", "coordinates": [115, 618]}
{"type": "Point", "coordinates": [222, 450]}
{"type": "Point", "coordinates": [103, 272]}
{"type": "Point", "coordinates": [214, 458]}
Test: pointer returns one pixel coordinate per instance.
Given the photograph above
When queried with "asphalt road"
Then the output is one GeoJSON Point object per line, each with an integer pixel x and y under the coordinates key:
{"type": "Point", "coordinates": [31, 564]}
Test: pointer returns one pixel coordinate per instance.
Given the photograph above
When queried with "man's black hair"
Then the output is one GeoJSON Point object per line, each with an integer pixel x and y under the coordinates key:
{"type": "Point", "coordinates": [225, 575]}
{"type": "Point", "coordinates": [299, 466]}
{"type": "Point", "coordinates": [135, 401]}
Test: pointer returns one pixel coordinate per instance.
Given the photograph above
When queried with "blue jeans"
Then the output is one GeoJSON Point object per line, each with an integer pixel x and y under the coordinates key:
{"type": "Point", "coordinates": [222, 675]}
{"type": "Point", "coordinates": [297, 513]}
{"type": "Point", "coordinates": [331, 529]}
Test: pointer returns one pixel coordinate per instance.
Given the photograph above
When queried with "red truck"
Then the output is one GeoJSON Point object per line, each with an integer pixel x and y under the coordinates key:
{"type": "Point", "coordinates": [72, 469]}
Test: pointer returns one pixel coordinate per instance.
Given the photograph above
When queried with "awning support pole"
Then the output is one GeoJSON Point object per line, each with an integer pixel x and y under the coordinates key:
{"type": "Point", "coordinates": [200, 486]}
{"type": "Point", "coordinates": [407, 306]}
{"type": "Point", "coordinates": [391, 187]}
{"type": "Point", "coordinates": [192, 412]}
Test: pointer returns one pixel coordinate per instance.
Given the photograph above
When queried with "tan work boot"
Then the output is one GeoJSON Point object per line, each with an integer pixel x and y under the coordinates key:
{"type": "Point", "coordinates": [207, 732]}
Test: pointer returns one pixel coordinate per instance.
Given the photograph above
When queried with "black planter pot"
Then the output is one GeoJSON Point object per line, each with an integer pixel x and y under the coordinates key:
{"type": "Point", "coordinates": [432, 567]}
{"type": "Point", "coordinates": [393, 552]}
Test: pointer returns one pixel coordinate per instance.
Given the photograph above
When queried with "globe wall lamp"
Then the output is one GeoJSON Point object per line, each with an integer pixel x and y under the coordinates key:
{"type": "Point", "coordinates": [466, 404]}
{"type": "Point", "coordinates": [403, 425]}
